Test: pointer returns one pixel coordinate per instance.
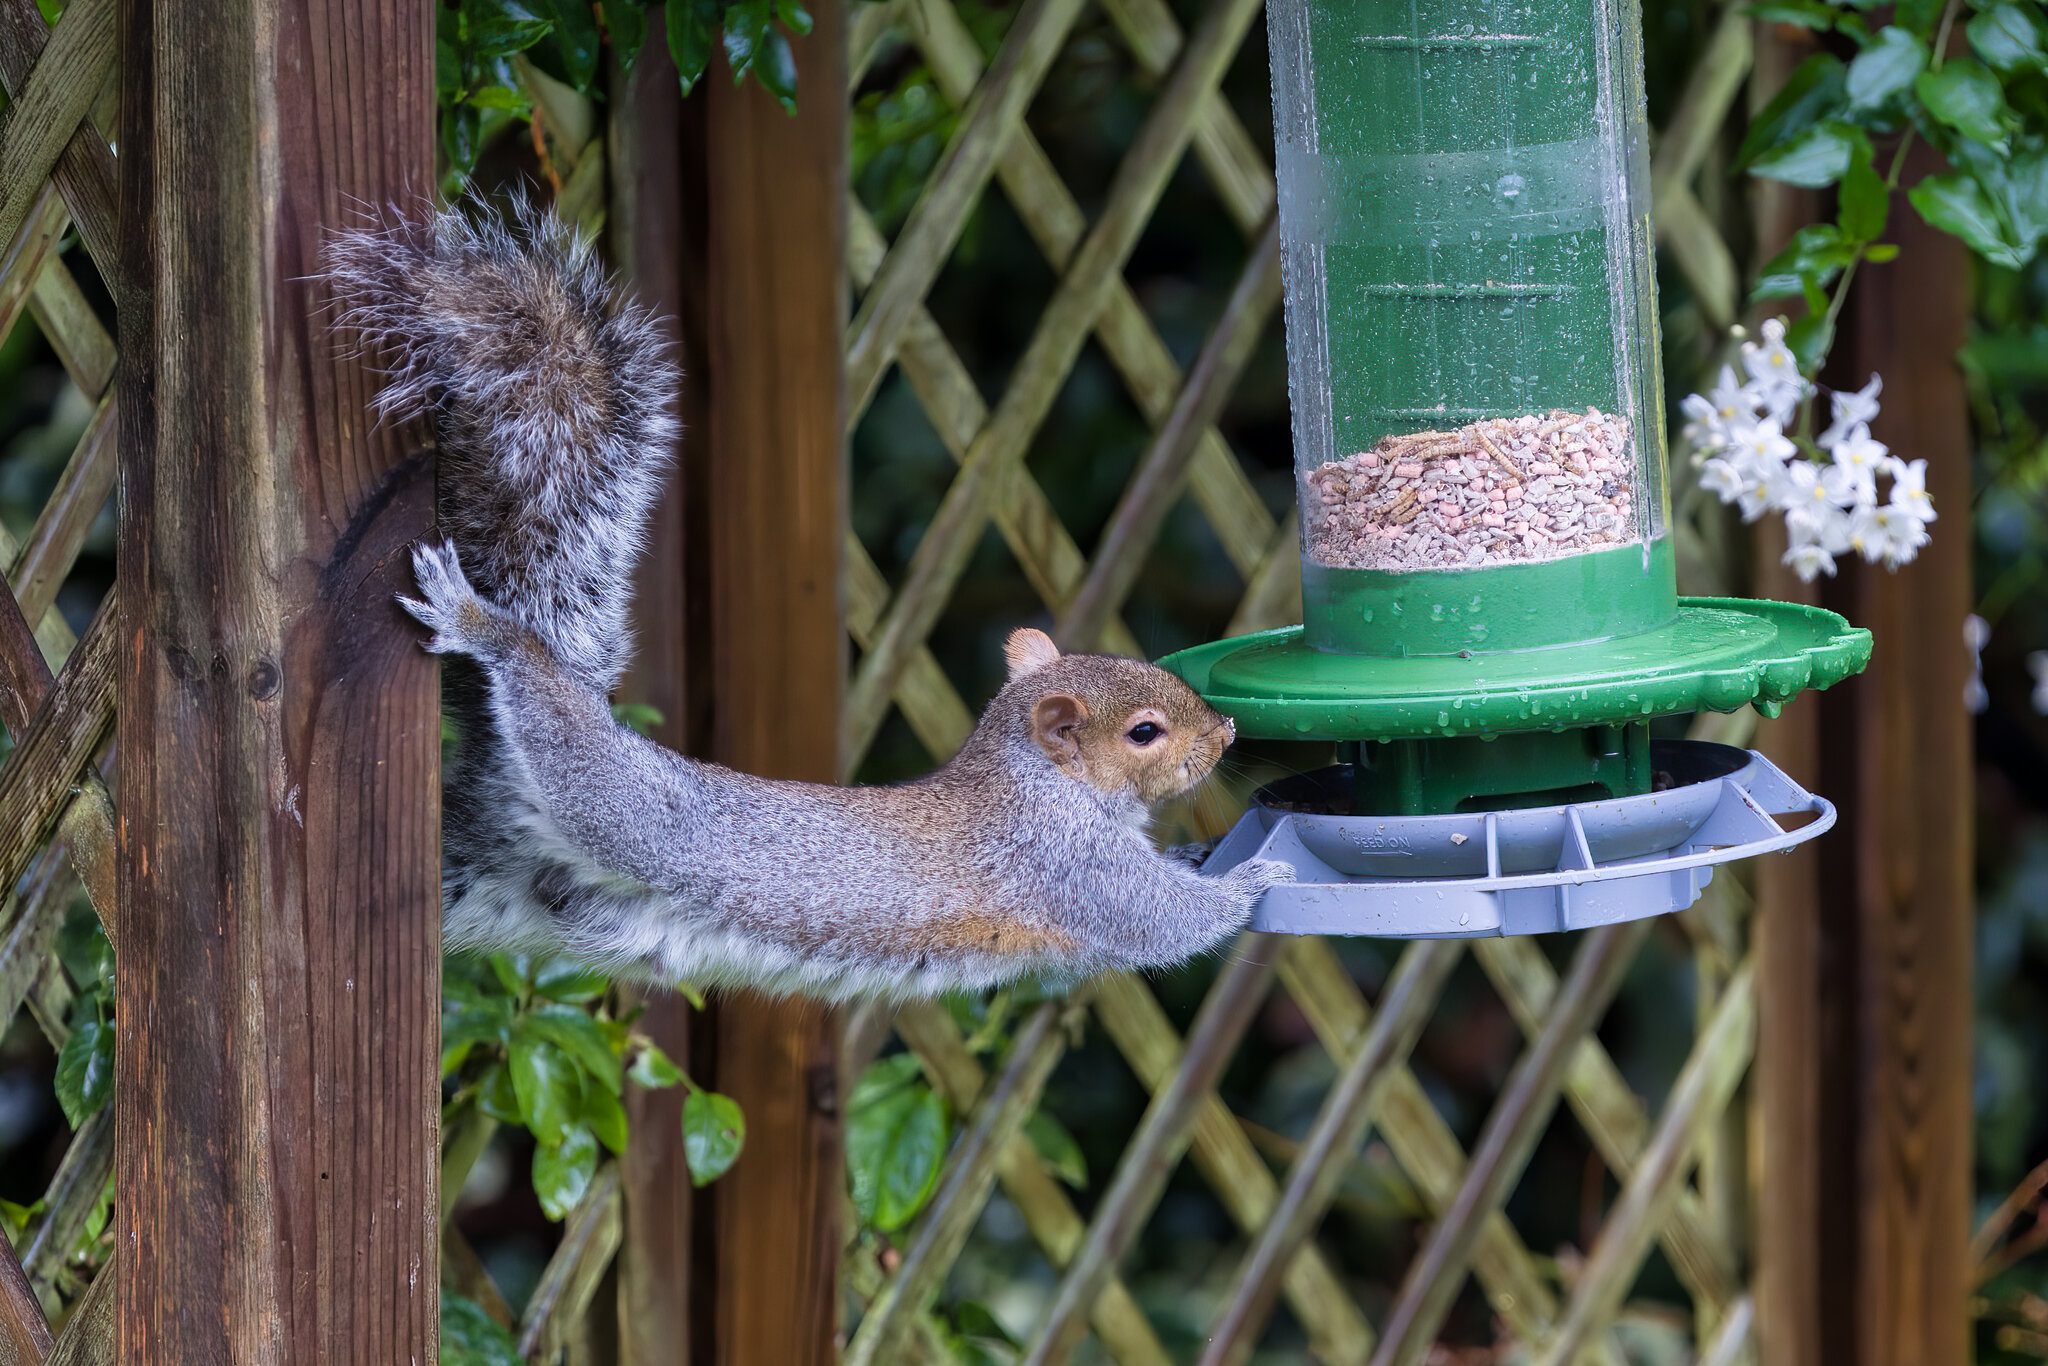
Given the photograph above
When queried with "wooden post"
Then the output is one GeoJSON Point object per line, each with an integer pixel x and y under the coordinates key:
{"type": "Point", "coordinates": [775, 304]}
{"type": "Point", "coordinates": [1864, 1054]}
{"type": "Point", "coordinates": [657, 239]}
{"type": "Point", "coordinates": [278, 1089]}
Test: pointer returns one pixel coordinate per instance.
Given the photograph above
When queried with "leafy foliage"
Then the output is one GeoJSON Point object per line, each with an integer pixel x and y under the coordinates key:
{"type": "Point", "coordinates": [538, 1044]}
{"type": "Point", "coordinates": [487, 52]}
{"type": "Point", "coordinates": [470, 1338]}
{"type": "Point", "coordinates": [897, 1129]}
{"type": "Point", "coordinates": [1985, 111]}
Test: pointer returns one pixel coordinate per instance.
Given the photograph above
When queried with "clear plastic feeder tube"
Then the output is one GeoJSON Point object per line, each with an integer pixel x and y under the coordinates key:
{"type": "Point", "coordinates": [1471, 319]}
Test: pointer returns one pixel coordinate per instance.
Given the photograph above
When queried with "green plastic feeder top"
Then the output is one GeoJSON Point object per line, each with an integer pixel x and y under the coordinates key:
{"type": "Point", "coordinates": [1477, 407]}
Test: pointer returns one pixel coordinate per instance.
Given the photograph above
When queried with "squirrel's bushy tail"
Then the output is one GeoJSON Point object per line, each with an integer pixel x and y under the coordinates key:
{"type": "Point", "coordinates": [552, 399]}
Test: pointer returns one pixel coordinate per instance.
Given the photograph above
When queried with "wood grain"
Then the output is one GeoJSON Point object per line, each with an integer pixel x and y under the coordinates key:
{"type": "Point", "coordinates": [1864, 938]}
{"type": "Point", "coordinates": [1907, 793]}
{"type": "Point", "coordinates": [277, 1079]}
{"type": "Point", "coordinates": [657, 241]}
{"type": "Point", "coordinates": [775, 191]}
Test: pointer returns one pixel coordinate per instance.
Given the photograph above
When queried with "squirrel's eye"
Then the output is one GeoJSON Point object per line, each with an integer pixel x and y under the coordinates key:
{"type": "Point", "coordinates": [1145, 732]}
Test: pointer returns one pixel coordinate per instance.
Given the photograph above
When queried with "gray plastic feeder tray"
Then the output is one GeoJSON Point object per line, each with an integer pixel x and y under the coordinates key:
{"type": "Point", "coordinates": [1530, 871]}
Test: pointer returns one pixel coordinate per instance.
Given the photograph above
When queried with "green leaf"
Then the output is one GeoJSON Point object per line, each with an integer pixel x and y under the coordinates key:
{"type": "Point", "coordinates": [636, 716]}
{"type": "Point", "coordinates": [1918, 16]}
{"type": "Point", "coordinates": [83, 948]}
{"type": "Point", "coordinates": [2010, 37]}
{"type": "Point", "coordinates": [653, 1069]}
{"type": "Point", "coordinates": [1864, 200]}
{"type": "Point", "coordinates": [605, 1117]}
{"type": "Point", "coordinates": [775, 68]}
{"type": "Point", "coordinates": [1967, 97]}
{"type": "Point", "coordinates": [884, 1077]}
{"type": "Point", "coordinates": [503, 98]}
{"type": "Point", "coordinates": [689, 42]}
{"type": "Point", "coordinates": [1879, 253]}
{"type": "Point", "coordinates": [561, 979]}
{"type": "Point", "coordinates": [1805, 13]}
{"type": "Point", "coordinates": [1957, 204]}
{"type": "Point", "coordinates": [546, 1083]}
{"type": "Point", "coordinates": [1057, 1149]}
{"type": "Point", "coordinates": [579, 1036]}
{"type": "Point", "coordinates": [469, 1337]}
{"type": "Point", "coordinates": [894, 1150]}
{"type": "Point", "coordinates": [514, 972]}
{"type": "Point", "coordinates": [461, 139]}
{"type": "Point", "coordinates": [499, 28]}
{"type": "Point", "coordinates": [562, 1171]}
{"type": "Point", "coordinates": [714, 1131]}
{"type": "Point", "coordinates": [1818, 251]}
{"type": "Point", "coordinates": [794, 17]}
{"type": "Point", "coordinates": [17, 1217]}
{"type": "Point", "coordinates": [576, 38]}
{"type": "Point", "coordinates": [1885, 69]}
{"type": "Point", "coordinates": [746, 24]}
{"type": "Point", "coordinates": [97, 1217]}
{"type": "Point", "coordinates": [1815, 90]}
{"type": "Point", "coordinates": [978, 1338]}
{"type": "Point", "coordinates": [465, 1024]}
{"type": "Point", "coordinates": [496, 1097]}
{"type": "Point", "coordinates": [1810, 338]}
{"type": "Point", "coordinates": [1817, 157]}
{"type": "Point", "coordinates": [626, 22]}
{"type": "Point", "coordinates": [85, 1069]}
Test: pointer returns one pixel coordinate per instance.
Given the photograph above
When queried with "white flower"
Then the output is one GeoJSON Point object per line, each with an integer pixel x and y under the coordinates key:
{"type": "Point", "coordinates": [1704, 429]}
{"type": "Point", "coordinates": [1730, 398]}
{"type": "Point", "coordinates": [1724, 480]}
{"type": "Point", "coordinates": [1860, 458]}
{"type": "Point", "coordinates": [1909, 489]}
{"type": "Point", "coordinates": [1803, 485]}
{"type": "Point", "coordinates": [1887, 534]}
{"type": "Point", "coordinates": [1755, 501]}
{"type": "Point", "coordinates": [1822, 524]}
{"type": "Point", "coordinates": [1760, 443]}
{"type": "Point", "coordinates": [1851, 410]}
{"type": "Point", "coordinates": [1774, 371]}
{"type": "Point", "coordinates": [1809, 561]}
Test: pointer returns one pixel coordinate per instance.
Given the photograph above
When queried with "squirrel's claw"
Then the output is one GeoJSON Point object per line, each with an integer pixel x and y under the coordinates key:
{"type": "Point", "coordinates": [449, 608]}
{"type": "Point", "coordinates": [1263, 874]}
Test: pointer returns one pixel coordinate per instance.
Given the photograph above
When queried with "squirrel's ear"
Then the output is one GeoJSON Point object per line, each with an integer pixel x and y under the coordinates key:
{"type": "Point", "coordinates": [1027, 649]}
{"type": "Point", "coordinates": [1056, 724]}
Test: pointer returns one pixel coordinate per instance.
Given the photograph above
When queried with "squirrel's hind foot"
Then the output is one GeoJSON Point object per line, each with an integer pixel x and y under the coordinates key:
{"type": "Point", "coordinates": [463, 623]}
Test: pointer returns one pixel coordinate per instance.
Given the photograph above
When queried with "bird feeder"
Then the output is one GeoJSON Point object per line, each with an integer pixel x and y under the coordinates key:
{"type": "Point", "coordinates": [1491, 616]}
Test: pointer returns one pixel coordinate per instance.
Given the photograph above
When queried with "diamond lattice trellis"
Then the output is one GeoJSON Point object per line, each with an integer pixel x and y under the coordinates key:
{"type": "Point", "coordinates": [56, 829]}
{"type": "Point", "coordinates": [1653, 1155]}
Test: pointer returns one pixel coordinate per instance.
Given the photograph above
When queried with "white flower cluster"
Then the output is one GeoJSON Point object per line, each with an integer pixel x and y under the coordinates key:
{"type": "Point", "coordinates": [1743, 435]}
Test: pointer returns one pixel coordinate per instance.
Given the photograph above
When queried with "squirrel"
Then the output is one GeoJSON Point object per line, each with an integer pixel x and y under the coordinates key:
{"type": "Point", "coordinates": [565, 832]}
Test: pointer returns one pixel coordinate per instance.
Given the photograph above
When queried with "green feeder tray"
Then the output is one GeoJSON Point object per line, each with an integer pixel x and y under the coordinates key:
{"type": "Point", "coordinates": [1490, 612]}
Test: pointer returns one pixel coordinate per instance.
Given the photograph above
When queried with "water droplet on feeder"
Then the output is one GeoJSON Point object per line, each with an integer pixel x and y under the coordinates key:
{"type": "Point", "coordinates": [1510, 186]}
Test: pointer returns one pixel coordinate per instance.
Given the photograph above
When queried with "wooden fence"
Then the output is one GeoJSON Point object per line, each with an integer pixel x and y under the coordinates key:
{"type": "Point", "coordinates": [276, 1094]}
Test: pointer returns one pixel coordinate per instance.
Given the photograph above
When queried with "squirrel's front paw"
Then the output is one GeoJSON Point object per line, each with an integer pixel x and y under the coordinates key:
{"type": "Point", "coordinates": [461, 621]}
{"type": "Point", "coordinates": [1262, 874]}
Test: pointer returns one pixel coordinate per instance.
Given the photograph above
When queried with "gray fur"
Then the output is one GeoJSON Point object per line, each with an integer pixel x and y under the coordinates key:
{"type": "Point", "coordinates": [667, 868]}
{"type": "Point", "coordinates": [566, 832]}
